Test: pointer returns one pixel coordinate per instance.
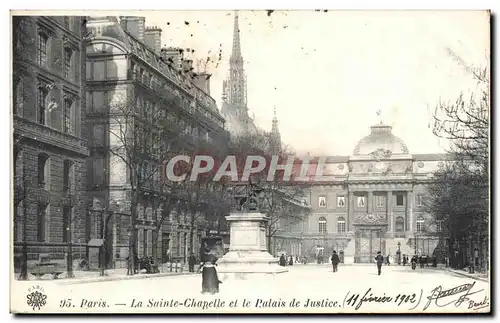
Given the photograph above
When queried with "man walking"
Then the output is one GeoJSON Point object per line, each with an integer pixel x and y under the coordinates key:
{"type": "Point", "coordinates": [192, 262]}
{"type": "Point", "coordinates": [379, 259]}
{"type": "Point", "coordinates": [335, 261]}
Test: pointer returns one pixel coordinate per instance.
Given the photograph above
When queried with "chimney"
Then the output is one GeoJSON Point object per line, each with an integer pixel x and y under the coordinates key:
{"type": "Point", "coordinates": [173, 56]}
{"type": "Point", "coordinates": [152, 38]}
{"type": "Point", "coordinates": [187, 66]}
{"type": "Point", "coordinates": [202, 80]}
{"type": "Point", "coordinates": [134, 25]}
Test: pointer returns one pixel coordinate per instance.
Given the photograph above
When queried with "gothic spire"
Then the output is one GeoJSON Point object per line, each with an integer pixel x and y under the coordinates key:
{"type": "Point", "coordinates": [275, 135]}
{"type": "Point", "coordinates": [236, 53]}
{"type": "Point", "coordinates": [274, 129]}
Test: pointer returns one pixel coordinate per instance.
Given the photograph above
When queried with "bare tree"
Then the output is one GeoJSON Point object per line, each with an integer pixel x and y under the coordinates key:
{"type": "Point", "coordinates": [459, 196]}
{"type": "Point", "coordinates": [282, 197]}
{"type": "Point", "coordinates": [142, 137]}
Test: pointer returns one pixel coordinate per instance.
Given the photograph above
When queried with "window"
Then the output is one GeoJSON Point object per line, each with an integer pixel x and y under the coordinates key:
{"type": "Point", "coordinates": [42, 104]}
{"type": "Point", "coordinates": [42, 49]}
{"type": "Point", "coordinates": [379, 199]}
{"type": "Point", "coordinates": [67, 171]}
{"type": "Point", "coordinates": [419, 200]}
{"type": "Point", "coordinates": [361, 201]}
{"type": "Point", "coordinates": [322, 201]}
{"type": "Point", "coordinates": [420, 224]}
{"type": "Point", "coordinates": [439, 226]}
{"type": "Point", "coordinates": [98, 171]}
{"type": "Point", "coordinates": [400, 224]}
{"type": "Point", "coordinates": [42, 215]}
{"type": "Point", "coordinates": [66, 224]}
{"type": "Point", "coordinates": [341, 225]}
{"type": "Point", "coordinates": [99, 68]}
{"type": "Point", "coordinates": [399, 200]}
{"type": "Point", "coordinates": [68, 53]}
{"type": "Point", "coordinates": [68, 125]}
{"type": "Point", "coordinates": [340, 201]}
{"type": "Point", "coordinates": [322, 225]}
{"type": "Point", "coordinates": [43, 170]}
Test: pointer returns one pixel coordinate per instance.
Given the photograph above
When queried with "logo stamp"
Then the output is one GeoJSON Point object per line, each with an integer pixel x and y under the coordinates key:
{"type": "Point", "coordinates": [36, 297]}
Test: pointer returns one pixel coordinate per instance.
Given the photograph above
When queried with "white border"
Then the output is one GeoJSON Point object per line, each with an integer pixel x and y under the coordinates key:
{"type": "Point", "coordinates": [5, 125]}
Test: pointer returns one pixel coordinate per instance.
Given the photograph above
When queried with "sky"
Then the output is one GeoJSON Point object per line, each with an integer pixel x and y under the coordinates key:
{"type": "Point", "coordinates": [328, 73]}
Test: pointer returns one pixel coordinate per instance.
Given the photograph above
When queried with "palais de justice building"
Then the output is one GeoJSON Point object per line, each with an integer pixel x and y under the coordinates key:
{"type": "Point", "coordinates": [373, 202]}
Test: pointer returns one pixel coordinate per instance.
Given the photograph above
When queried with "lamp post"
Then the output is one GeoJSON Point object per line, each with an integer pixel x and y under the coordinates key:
{"type": "Point", "coordinates": [399, 253]}
{"type": "Point", "coordinates": [103, 260]}
{"type": "Point", "coordinates": [416, 242]}
{"type": "Point", "coordinates": [69, 261]}
{"type": "Point", "coordinates": [130, 270]}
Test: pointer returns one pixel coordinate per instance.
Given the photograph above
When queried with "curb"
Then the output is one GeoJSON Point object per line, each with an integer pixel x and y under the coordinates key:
{"type": "Point", "coordinates": [99, 279]}
{"type": "Point", "coordinates": [467, 275]}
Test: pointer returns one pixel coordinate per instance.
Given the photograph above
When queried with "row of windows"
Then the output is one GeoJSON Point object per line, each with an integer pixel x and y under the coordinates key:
{"type": "Point", "coordinates": [399, 225]}
{"type": "Point", "coordinates": [44, 173]}
{"type": "Point", "coordinates": [44, 106]}
{"type": "Point", "coordinates": [361, 201]}
{"type": "Point", "coordinates": [43, 55]}
{"type": "Point", "coordinates": [41, 224]}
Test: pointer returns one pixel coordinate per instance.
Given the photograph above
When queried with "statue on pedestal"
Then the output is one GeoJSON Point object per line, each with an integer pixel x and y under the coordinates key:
{"type": "Point", "coordinates": [248, 200]}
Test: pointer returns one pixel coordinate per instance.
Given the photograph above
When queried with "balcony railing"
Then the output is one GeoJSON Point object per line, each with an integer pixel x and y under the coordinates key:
{"type": "Point", "coordinates": [42, 133]}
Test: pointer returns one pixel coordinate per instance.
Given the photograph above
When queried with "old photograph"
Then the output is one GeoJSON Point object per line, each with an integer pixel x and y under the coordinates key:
{"type": "Point", "coordinates": [250, 161]}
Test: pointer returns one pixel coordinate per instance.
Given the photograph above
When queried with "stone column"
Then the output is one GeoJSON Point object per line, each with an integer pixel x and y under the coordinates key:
{"type": "Point", "coordinates": [369, 202]}
{"type": "Point", "coordinates": [350, 211]}
{"type": "Point", "coordinates": [409, 211]}
{"type": "Point", "coordinates": [390, 213]}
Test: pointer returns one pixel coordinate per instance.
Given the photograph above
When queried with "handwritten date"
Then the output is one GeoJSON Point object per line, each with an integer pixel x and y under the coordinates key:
{"type": "Point", "coordinates": [356, 300]}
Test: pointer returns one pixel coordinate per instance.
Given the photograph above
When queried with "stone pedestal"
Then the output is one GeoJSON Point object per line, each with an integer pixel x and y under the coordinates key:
{"type": "Point", "coordinates": [248, 254]}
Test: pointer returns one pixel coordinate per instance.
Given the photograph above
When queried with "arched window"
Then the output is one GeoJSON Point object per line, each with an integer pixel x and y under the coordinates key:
{"type": "Point", "coordinates": [400, 224]}
{"type": "Point", "coordinates": [341, 225]}
{"type": "Point", "coordinates": [420, 224]}
{"type": "Point", "coordinates": [322, 224]}
{"type": "Point", "coordinates": [43, 170]}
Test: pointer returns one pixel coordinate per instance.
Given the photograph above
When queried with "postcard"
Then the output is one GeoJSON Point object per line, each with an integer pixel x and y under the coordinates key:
{"type": "Point", "coordinates": [250, 161]}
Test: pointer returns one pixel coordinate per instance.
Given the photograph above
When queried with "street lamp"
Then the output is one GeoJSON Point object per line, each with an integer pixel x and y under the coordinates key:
{"type": "Point", "coordinates": [69, 260]}
{"type": "Point", "coordinates": [130, 270]}
{"type": "Point", "coordinates": [399, 253]}
{"type": "Point", "coordinates": [416, 244]}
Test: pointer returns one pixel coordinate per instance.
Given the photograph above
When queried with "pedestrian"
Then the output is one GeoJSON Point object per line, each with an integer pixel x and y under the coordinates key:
{"type": "Point", "coordinates": [335, 261]}
{"type": "Point", "coordinates": [379, 259]}
{"type": "Point", "coordinates": [405, 260]}
{"type": "Point", "coordinates": [210, 281]}
{"type": "Point", "coordinates": [192, 262]}
{"type": "Point", "coordinates": [282, 260]}
{"type": "Point", "coordinates": [290, 261]}
{"type": "Point", "coordinates": [388, 261]}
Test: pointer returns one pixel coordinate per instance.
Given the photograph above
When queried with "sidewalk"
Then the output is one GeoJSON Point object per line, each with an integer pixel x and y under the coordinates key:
{"type": "Point", "coordinates": [83, 277]}
{"type": "Point", "coordinates": [465, 273]}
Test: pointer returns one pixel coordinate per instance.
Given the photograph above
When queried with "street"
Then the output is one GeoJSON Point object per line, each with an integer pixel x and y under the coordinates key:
{"type": "Point", "coordinates": [354, 288]}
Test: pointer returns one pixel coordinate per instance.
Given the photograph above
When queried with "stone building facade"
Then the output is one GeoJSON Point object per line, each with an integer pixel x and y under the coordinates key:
{"type": "Point", "coordinates": [126, 63]}
{"type": "Point", "coordinates": [49, 141]}
{"type": "Point", "coordinates": [372, 200]}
